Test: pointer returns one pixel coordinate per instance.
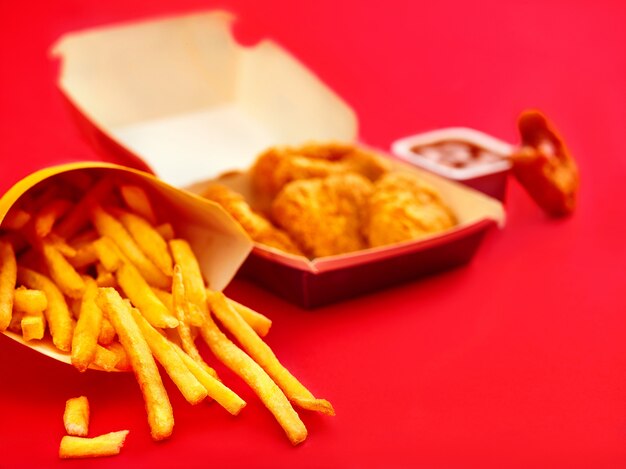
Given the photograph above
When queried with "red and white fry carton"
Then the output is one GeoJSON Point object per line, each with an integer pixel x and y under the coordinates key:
{"type": "Point", "coordinates": [180, 96]}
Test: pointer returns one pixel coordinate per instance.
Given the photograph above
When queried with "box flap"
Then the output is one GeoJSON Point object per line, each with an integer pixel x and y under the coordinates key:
{"type": "Point", "coordinates": [184, 96]}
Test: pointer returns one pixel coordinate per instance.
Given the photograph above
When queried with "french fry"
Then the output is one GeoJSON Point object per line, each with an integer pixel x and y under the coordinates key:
{"type": "Point", "coordinates": [158, 407]}
{"type": "Point", "coordinates": [263, 386]}
{"type": "Point", "coordinates": [192, 275]}
{"type": "Point", "coordinates": [106, 279]}
{"type": "Point", "coordinates": [76, 416]}
{"type": "Point", "coordinates": [87, 328]}
{"type": "Point", "coordinates": [103, 445]}
{"type": "Point", "coordinates": [105, 358]}
{"type": "Point", "coordinates": [8, 277]}
{"type": "Point", "coordinates": [137, 200]}
{"type": "Point", "coordinates": [107, 332]}
{"type": "Point", "coordinates": [16, 322]}
{"type": "Point", "coordinates": [257, 321]}
{"type": "Point", "coordinates": [78, 216]}
{"type": "Point", "coordinates": [223, 395]}
{"type": "Point", "coordinates": [33, 327]}
{"type": "Point", "coordinates": [148, 239]}
{"type": "Point", "coordinates": [143, 298]}
{"type": "Point", "coordinates": [57, 313]}
{"type": "Point", "coordinates": [16, 219]}
{"type": "Point", "coordinates": [108, 254]}
{"type": "Point", "coordinates": [85, 255]}
{"type": "Point", "coordinates": [108, 226]}
{"type": "Point", "coordinates": [264, 356]}
{"type": "Point", "coordinates": [47, 216]}
{"type": "Point", "coordinates": [166, 298]}
{"type": "Point", "coordinates": [31, 302]}
{"type": "Point", "coordinates": [181, 309]}
{"type": "Point", "coordinates": [162, 349]}
{"type": "Point", "coordinates": [61, 271]}
{"type": "Point", "coordinates": [166, 230]}
{"type": "Point", "coordinates": [61, 245]}
{"type": "Point", "coordinates": [123, 363]}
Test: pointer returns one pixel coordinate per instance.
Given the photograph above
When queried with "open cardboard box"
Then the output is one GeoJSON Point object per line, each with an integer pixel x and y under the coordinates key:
{"type": "Point", "coordinates": [181, 97]}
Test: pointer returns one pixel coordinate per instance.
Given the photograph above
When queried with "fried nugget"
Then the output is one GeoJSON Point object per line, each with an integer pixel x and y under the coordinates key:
{"type": "Point", "coordinates": [278, 166]}
{"type": "Point", "coordinates": [324, 215]}
{"type": "Point", "coordinates": [402, 208]}
{"type": "Point", "coordinates": [256, 225]}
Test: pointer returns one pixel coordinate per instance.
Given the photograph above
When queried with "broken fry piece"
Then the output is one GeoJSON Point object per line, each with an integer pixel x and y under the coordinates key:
{"type": "Point", "coordinates": [8, 277]}
{"type": "Point", "coordinates": [103, 445]}
{"type": "Point", "coordinates": [263, 386]}
{"type": "Point", "coordinates": [105, 358]}
{"type": "Point", "coordinates": [158, 407]}
{"type": "Point", "coordinates": [57, 313]}
{"type": "Point", "coordinates": [76, 416]}
{"type": "Point", "coordinates": [16, 219]}
{"type": "Point", "coordinates": [264, 356]}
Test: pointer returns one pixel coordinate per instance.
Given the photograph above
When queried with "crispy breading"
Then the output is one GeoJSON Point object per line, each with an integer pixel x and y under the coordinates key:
{"type": "Point", "coordinates": [256, 225]}
{"type": "Point", "coordinates": [403, 207]}
{"type": "Point", "coordinates": [324, 215]}
{"type": "Point", "coordinates": [278, 166]}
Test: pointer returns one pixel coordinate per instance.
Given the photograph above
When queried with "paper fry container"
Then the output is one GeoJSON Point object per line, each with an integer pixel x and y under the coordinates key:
{"type": "Point", "coordinates": [183, 97]}
{"type": "Point", "coordinates": [219, 243]}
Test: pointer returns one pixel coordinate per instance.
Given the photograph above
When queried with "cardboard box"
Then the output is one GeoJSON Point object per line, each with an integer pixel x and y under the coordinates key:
{"type": "Point", "coordinates": [180, 96]}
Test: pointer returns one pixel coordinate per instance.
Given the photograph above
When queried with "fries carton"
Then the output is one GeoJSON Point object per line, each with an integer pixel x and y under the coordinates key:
{"type": "Point", "coordinates": [182, 97]}
{"type": "Point", "coordinates": [220, 243]}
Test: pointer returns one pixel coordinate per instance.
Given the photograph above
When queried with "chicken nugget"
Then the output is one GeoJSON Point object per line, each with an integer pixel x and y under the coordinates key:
{"type": "Point", "coordinates": [256, 225]}
{"type": "Point", "coordinates": [324, 216]}
{"type": "Point", "coordinates": [279, 166]}
{"type": "Point", "coordinates": [403, 207]}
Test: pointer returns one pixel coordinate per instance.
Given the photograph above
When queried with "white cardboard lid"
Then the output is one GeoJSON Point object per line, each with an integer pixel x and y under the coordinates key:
{"type": "Point", "coordinates": [184, 96]}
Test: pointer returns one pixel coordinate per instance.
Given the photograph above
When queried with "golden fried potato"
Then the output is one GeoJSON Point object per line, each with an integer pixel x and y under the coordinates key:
{"type": "Point", "coordinates": [103, 445]}
{"type": "Point", "coordinates": [256, 225]}
{"type": "Point", "coordinates": [324, 215]}
{"type": "Point", "coordinates": [403, 207]}
{"type": "Point", "coordinates": [8, 276]}
{"type": "Point", "coordinates": [76, 416]}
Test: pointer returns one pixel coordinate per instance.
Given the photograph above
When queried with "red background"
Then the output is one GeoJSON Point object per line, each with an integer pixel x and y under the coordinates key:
{"type": "Point", "coordinates": [517, 360]}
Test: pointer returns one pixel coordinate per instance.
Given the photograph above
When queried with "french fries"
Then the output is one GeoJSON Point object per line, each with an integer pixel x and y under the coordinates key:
{"type": "Point", "coordinates": [76, 416]}
{"type": "Point", "coordinates": [8, 278]}
{"type": "Point", "coordinates": [57, 313]}
{"type": "Point", "coordinates": [108, 226]}
{"type": "Point", "coordinates": [103, 445]}
{"type": "Point", "coordinates": [158, 407]}
{"type": "Point", "coordinates": [64, 275]}
{"type": "Point", "coordinates": [164, 352]}
{"type": "Point", "coordinates": [137, 200]}
{"type": "Point", "coordinates": [88, 328]}
{"type": "Point", "coordinates": [254, 376]}
{"type": "Point", "coordinates": [181, 307]}
{"type": "Point", "coordinates": [118, 290]}
{"type": "Point", "coordinates": [142, 297]}
{"type": "Point", "coordinates": [194, 283]}
{"type": "Point", "coordinates": [148, 239]}
{"type": "Point", "coordinates": [263, 355]}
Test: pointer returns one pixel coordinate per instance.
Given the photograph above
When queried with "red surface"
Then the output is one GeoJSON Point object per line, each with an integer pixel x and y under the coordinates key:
{"type": "Point", "coordinates": [517, 360]}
